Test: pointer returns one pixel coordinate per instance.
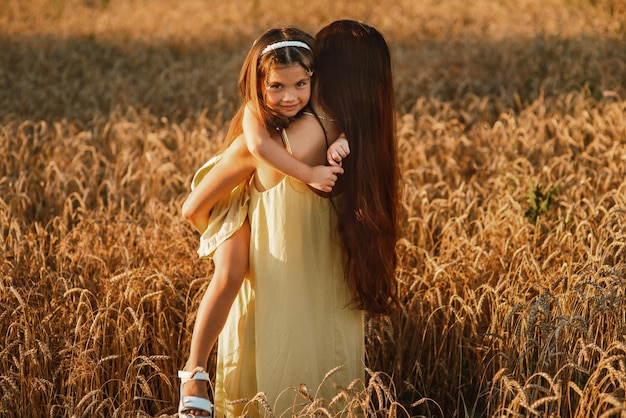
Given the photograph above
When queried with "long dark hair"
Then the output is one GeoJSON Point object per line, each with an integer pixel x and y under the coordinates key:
{"type": "Point", "coordinates": [353, 83]}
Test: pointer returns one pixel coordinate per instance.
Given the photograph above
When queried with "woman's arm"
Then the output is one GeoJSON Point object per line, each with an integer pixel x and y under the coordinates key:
{"type": "Point", "coordinates": [235, 166]}
{"type": "Point", "coordinates": [262, 147]}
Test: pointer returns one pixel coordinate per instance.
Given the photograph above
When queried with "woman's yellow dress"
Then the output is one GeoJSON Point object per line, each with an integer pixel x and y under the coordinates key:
{"type": "Point", "coordinates": [290, 324]}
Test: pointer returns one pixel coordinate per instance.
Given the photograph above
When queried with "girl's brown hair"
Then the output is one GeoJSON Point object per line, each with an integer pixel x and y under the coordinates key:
{"type": "Point", "coordinates": [256, 68]}
{"type": "Point", "coordinates": [353, 83]}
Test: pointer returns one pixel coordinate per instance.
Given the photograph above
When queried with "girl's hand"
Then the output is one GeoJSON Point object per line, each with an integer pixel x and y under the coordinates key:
{"type": "Point", "coordinates": [323, 177]}
{"type": "Point", "coordinates": [337, 151]}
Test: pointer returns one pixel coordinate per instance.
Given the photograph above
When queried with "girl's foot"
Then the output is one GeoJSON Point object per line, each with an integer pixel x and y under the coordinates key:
{"type": "Point", "coordinates": [194, 403]}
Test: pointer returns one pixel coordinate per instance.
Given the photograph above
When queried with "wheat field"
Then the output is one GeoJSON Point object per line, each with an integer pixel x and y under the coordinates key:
{"type": "Point", "coordinates": [512, 139]}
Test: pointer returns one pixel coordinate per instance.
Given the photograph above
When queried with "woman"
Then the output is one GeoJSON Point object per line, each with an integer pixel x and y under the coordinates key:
{"type": "Point", "coordinates": [275, 84]}
{"type": "Point", "coordinates": [316, 263]}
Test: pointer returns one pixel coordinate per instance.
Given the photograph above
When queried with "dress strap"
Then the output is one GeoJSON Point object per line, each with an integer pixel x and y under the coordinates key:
{"type": "Point", "coordinates": [285, 138]}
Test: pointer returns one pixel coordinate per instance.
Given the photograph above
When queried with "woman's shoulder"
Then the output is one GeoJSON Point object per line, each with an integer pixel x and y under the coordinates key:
{"type": "Point", "coordinates": [328, 123]}
{"type": "Point", "coordinates": [307, 139]}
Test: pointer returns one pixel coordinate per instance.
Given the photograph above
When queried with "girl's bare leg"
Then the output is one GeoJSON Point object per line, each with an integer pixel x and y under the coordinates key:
{"type": "Point", "coordinates": [231, 266]}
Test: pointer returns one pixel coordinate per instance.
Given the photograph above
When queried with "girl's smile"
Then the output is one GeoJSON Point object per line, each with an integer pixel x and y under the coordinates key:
{"type": "Point", "coordinates": [288, 89]}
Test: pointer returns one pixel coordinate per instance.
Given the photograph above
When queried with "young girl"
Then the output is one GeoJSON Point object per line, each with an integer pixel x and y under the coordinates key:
{"type": "Point", "coordinates": [275, 86]}
{"type": "Point", "coordinates": [292, 321]}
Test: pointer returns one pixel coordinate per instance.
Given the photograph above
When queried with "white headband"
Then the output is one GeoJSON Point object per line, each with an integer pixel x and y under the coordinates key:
{"type": "Point", "coordinates": [284, 44]}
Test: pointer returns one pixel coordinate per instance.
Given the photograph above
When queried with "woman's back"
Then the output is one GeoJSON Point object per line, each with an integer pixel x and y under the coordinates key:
{"type": "Point", "coordinates": [304, 326]}
{"type": "Point", "coordinates": [298, 297]}
{"type": "Point", "coordinates": [308, 144]}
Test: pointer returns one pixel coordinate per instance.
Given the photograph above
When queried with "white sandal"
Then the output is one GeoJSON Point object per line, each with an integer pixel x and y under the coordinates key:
{"type": "Point", "coordinates": [188, 403]}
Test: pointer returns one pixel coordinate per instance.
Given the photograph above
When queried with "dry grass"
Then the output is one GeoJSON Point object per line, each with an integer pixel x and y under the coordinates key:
{"type": "Point", "coordinates": [512, 132]}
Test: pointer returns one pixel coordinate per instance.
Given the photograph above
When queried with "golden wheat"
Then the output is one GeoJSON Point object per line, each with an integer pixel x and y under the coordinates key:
{"type": "Point", "coordinates": [512, 257]}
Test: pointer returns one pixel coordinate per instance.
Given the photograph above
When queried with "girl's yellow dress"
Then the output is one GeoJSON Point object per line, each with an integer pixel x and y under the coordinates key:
{"type": "Point", "coordinates": [228, 214]}
{"type": "Point", "coordinates": [290, 324]}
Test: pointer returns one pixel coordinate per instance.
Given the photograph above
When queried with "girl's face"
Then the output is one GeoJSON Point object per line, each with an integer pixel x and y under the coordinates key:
{"type": "Point", "coordinates": [287, 89]}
